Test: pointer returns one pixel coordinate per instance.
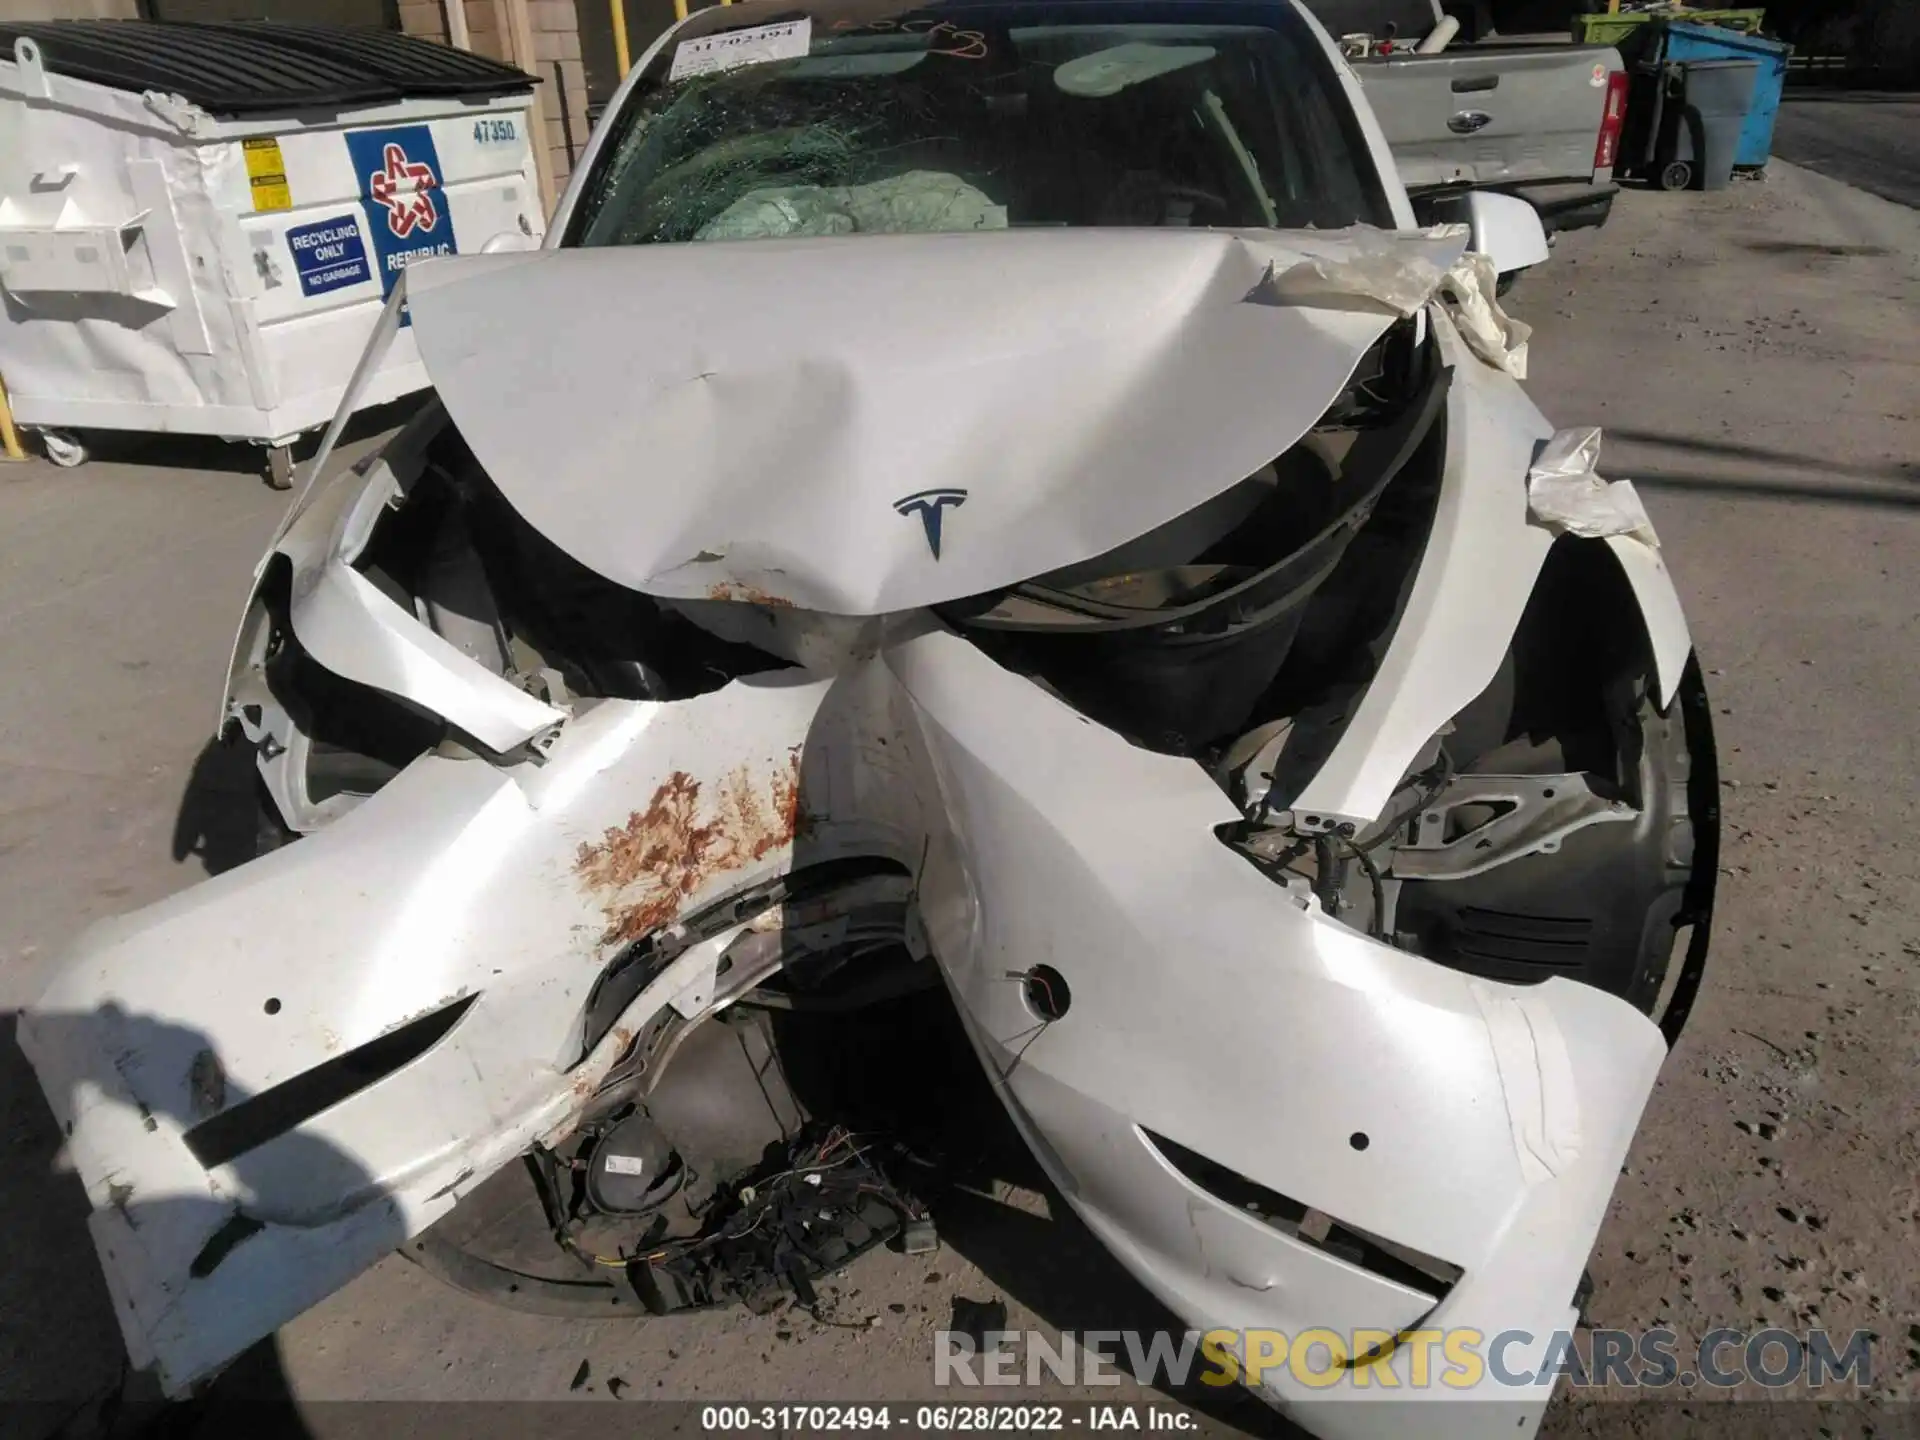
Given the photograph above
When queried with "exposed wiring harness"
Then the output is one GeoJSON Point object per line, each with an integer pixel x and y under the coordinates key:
{"type": "Point", "coordinates": [770, 1230]}
{"type": "Point", "coordinates": [1035, 976]}
{"type": "Point", "coordinates": [808, 1212]}
{"type": "Point", "coordinates": [1435, 778]}
{"type": "Point", "coordinates": [1377, 922]}
{"type": "Point", "coordinates": [1327, 846]}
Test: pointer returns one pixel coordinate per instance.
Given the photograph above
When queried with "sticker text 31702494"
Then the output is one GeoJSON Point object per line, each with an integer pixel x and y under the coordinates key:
{"type": "Point", "coordinates": [730, 49]}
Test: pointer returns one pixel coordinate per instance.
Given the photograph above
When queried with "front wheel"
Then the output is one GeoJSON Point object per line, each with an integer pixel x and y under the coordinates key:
{"type": "Point", "coordinates": [270, 832]}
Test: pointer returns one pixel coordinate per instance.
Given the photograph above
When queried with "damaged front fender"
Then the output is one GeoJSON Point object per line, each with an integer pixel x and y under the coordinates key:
{"type": "Point", "coordinates": [1274, 1121]}
{"type": "Point", "coordinates": [460, 887]}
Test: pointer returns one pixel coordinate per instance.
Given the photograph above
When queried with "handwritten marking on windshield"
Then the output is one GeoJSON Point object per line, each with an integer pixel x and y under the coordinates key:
{"type": "Point", "coordinates": [943, 36]}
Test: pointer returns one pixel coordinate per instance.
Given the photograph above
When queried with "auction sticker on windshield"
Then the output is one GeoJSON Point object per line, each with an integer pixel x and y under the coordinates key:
{"type": "Point", "coordinates": [754, 46]}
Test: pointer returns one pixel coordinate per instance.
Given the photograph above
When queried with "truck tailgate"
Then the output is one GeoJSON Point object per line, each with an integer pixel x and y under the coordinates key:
{"type": "Point", "coordinates": [1492, 114]}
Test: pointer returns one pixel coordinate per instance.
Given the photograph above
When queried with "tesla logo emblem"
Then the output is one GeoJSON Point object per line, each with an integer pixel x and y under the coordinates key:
{"type": "Point", "coordinates": [405, 187]}
{"type": "Point", "coordinates": [930, 504]}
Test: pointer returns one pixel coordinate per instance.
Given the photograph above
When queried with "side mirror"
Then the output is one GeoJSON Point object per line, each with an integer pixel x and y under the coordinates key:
{"type": "Point", "coordinates": [1507, 230]}
{"type": "Point", "coordinates": [508, 240]}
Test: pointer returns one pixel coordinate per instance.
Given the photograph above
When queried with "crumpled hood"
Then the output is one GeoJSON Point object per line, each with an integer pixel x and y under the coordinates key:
{"type": "Point", "coordinates": [869, 424]}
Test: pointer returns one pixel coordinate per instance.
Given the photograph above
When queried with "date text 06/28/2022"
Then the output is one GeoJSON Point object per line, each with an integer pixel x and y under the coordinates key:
{"type": "Point", "coordinates": [943, 1419]}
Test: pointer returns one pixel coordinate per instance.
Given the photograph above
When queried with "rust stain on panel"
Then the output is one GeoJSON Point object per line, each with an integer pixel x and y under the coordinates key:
{"type": "Point", "coordinates": [588, 1081]}
{"type": "Point", "coordinates": [734, 590]}
{"type": "Point", "coordinates": [644, 871]}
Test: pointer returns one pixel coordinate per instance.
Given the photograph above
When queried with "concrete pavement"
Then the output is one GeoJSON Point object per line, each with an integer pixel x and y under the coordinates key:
{"type": "Point", "coordinates": [1755, 358]}
{"type": "Point", "coordinates": [1753, 354]}
{"type": "Point", "coordinates": [1870, 139]}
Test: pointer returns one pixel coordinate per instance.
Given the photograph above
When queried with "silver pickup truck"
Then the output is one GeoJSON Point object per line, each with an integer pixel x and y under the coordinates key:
{"type": "Point", "coordinates": [1538, 121]}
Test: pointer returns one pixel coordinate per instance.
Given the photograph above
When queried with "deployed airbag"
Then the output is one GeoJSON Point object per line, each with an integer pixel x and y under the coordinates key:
{"type": "Point", "coordinates": [919, 201]}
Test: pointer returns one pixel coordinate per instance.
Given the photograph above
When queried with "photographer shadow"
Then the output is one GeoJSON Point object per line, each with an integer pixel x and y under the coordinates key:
{"type": "Point", "coordinates": [170, 1075]}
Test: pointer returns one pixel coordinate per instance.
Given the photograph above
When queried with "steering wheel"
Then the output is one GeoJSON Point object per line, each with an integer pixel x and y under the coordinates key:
{"type": "Point", "coordinates": [1145, 199]}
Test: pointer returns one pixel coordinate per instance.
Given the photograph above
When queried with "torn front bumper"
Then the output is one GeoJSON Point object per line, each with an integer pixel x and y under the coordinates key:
{"type": "Point", "coordinates": [1210, 1011]}
{"type": "Point", "coordinates": [1476, 1124]}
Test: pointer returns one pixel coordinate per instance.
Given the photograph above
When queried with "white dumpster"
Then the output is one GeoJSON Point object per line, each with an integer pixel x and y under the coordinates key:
{"type": "Point", "coordinates": [199, 224]}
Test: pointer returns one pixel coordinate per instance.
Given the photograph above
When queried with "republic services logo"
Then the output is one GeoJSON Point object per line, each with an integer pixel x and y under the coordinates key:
{"type": "Point", "coordinates": [406, 188]}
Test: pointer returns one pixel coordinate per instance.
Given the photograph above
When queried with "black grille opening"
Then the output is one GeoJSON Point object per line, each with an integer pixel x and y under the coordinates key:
{"type": "Point", "coordinates": [1427, 1274]}
{"type": "Point", "coordinates": [273, 1112]}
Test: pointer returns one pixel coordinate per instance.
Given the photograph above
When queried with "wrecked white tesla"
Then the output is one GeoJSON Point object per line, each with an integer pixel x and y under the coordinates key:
{"type": "Point", "coordinates": [1083, 556]}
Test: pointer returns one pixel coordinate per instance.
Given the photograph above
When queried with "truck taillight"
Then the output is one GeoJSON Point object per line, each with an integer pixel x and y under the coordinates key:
{"type": "Point", "coordinates": [1612, 119]}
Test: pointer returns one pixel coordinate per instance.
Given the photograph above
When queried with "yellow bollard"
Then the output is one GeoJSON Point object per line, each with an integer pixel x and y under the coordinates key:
{"type": "Point", "coordinates": [10, 447]}
{"type": "Point", "coordinates": [622, 58]}
{"type": "Point", "coordinates": [679, 9]}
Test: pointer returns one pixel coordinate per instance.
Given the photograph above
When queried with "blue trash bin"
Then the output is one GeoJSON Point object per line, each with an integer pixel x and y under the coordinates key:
{"type": "Point", "coordinates": [1682, 41]}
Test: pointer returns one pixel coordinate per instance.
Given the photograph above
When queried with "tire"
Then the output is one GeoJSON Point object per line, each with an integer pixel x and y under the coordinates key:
{"type": "Point", "coordinates": [63, 448]}
{"type": "Point", "coordinates": [1673, 743]}
{"type": "Point", "coordinates": [270, 832]}
{"type": "Point", "coordinates": [278, 470]}
{"type": "Point", "coordinates": [1703, 812]}
{"type": "Point", "coordinates": [1676, 175]}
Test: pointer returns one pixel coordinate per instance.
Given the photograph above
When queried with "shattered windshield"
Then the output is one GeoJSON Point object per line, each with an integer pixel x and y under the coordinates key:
{"type": "Point", "coordinates": [763, 120]}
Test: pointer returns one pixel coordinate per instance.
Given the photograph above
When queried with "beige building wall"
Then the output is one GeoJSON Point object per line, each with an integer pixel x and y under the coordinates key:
{"type": "Point", "coordinates": [556, 60]}
{"type": "Point", "coordinates": [68, 10]}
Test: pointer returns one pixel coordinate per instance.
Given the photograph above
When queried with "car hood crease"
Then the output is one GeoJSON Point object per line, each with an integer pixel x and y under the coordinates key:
{"type": "Point", "coordinates": [867, 425]}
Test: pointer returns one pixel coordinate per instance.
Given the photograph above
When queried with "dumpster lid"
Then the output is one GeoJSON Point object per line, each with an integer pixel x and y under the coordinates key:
{"type": "Point", "coordinates": [1726, 36]}
{"type": "Point", "coordinates": [249, 66]}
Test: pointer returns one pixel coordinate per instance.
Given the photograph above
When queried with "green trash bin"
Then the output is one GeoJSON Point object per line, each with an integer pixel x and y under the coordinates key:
{"type": "Point", "coordinates": [1705, 111]}
{"type": "Point", "coordinates": [1626, 34]}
